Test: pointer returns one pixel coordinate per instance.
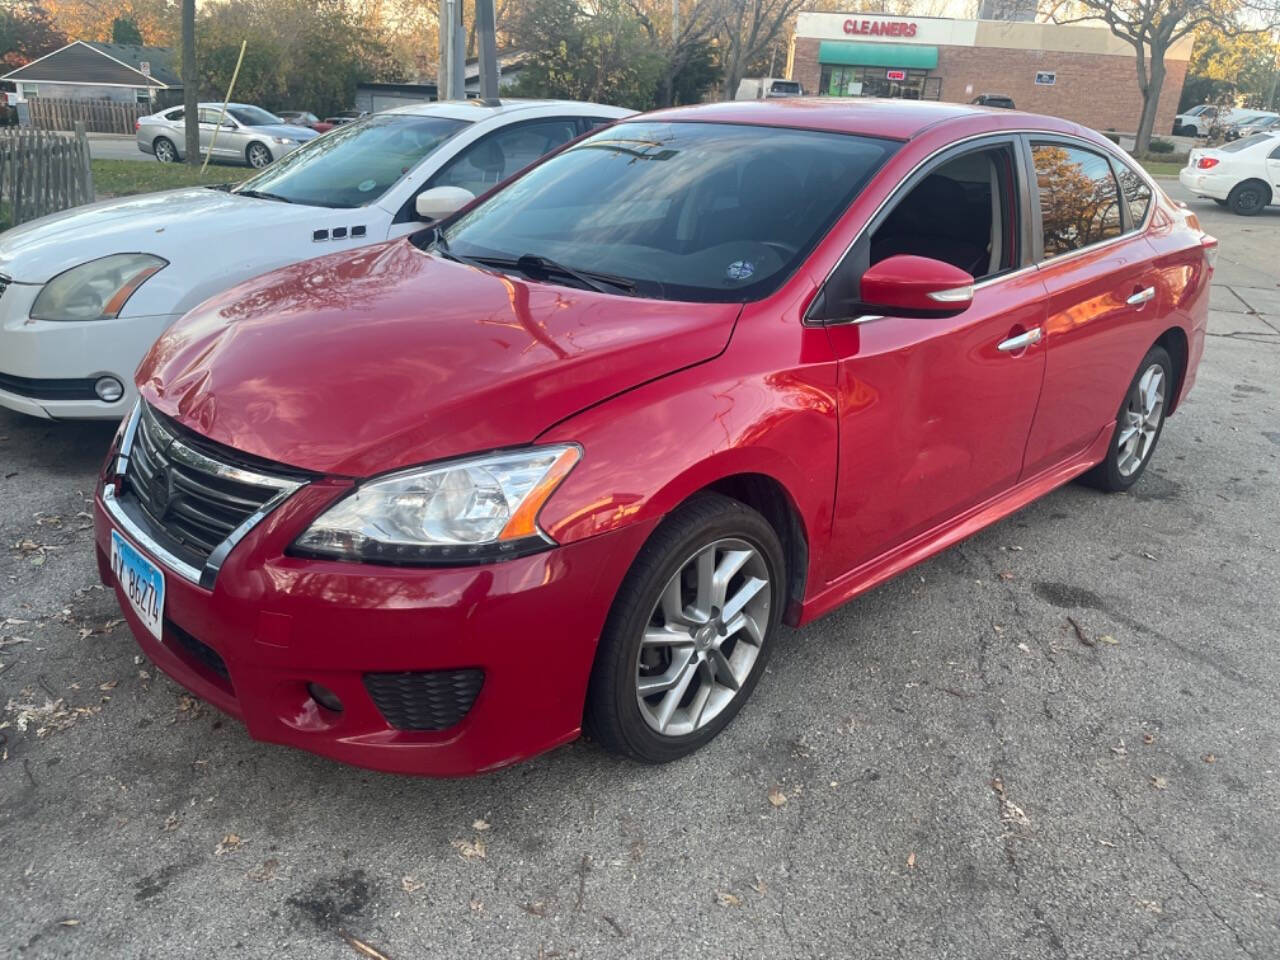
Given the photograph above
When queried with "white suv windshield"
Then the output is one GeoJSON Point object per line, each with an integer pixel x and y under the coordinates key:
{"type": "Point", "coordinates": [680, 211]}
{"type": "Point", "coordinates": [355, 164]}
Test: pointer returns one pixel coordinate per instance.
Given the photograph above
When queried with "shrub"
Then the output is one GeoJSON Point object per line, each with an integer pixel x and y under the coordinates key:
{"type": "Point", "coordinates": [1160, 145]}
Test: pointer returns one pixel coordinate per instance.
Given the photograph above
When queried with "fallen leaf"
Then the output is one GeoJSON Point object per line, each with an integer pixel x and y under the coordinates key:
{"type": "Point", "coordinates": [1120, 750]}
{"type": "Point", "coordinates": [1006, 574]}
{"type": "Point", "coordinates": [477, 905]}
{"type": "Point", "coordinates": [480, 824]}
{"type": "Point", "coordinates": [171, 821]}
{"type": "Point", "coordinates": [70, 922]}
{"type": "Point", "coordinates": [411, 884]}
{"type": "Point", "coordinates": [470, 849]}
{"type": "Point", "coordinates": [1147, 555]}
{"type": "Point", "coordinates": [777, 797]}
{"type": "Point", "coordinates": [726, 899]}
{"type": "Point", "coordinates": [229, 843]}
{"type": "Point", "coordinates": [997, 785]}
{"type": "Point", "coordinates": [1024, 648]}
{"type": "Point", "coordinates": [911, 860]}
{"type": "Point", "coordinates": [1159, 782]}
{"type": "Point", "coordinates": [1209, 758]}
{"type": "Point", "coordinates": [1108, 638]}
{"type": "Point", "coordinates": [1148, 738]}
{"type": "Point", "coordinates": [1151, 906]}
{"type": "Point", "coordinates": [109, 685]}
{"type": "Point", "coordinates": [1080, 634]}
{"type": "Point", "coordinates": [760, 887]}
{"type": "Point", "coordinates": [537, 909]}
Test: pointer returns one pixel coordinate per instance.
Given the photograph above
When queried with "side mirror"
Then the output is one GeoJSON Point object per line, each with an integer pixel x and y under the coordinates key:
{"type": "Point", "coordinates": [439, 202]}
{"type": "Point", "coordinates": [910, 286]}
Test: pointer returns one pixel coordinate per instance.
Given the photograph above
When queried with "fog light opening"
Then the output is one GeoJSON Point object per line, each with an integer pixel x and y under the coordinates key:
{"type": "Point", "coordinates": [108, 389]}
{"type": "Point", "coordinates": [325, 697]}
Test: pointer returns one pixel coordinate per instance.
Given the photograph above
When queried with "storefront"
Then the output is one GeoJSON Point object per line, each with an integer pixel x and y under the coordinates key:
{"type": "Point", "coordinates": [1083, 73]}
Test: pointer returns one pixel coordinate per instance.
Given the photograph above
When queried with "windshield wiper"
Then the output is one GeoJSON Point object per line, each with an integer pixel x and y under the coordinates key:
{"type": "Point", "coordinates": [263, 195]}
{"type": "Point", "coordinates": [533, 265]}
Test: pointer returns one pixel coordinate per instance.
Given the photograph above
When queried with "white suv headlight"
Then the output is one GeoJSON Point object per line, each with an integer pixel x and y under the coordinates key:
{"type": "Point", "coordinates": [465, 511]}
{"type": "Point", "coordinates": [95, 290]}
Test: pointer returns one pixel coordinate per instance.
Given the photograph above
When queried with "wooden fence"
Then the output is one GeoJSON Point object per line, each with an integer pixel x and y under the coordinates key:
{"type": "Point", "coordinates": [42, 173]}
{"type": "Point", "coordinates": [98, 116]}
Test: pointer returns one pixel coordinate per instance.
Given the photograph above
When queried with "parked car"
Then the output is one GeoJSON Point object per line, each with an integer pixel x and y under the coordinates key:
{"type": "Point", "coordinates": [994, 100]}
{"type": "Point", "coordinates": [346, 116]}
{"type": "Point", "coordinates": [248, 134]}
{"type": "Point", "coordinates": [1202, 119]}
{"type": "Point", "coordinates": [304, 118]}
{"type": "Point", "coordinates": [767, 88]}
{"type": "Point", "coordinates": [1250, 122]}
{"type": "Point", "coordinates": [1243, 175]}
{"type": "Point", "coordinates": [141, 262]}
{"type": "Point", "coordinates": [574, 455]}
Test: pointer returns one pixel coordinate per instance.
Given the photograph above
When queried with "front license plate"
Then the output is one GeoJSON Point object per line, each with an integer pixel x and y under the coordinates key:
{"type": "Point", "coordinates": [141, 580]}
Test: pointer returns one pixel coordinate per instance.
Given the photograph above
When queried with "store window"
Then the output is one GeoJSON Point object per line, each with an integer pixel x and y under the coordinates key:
{"type": "Point", "coordinates": [837, 81]}
{"type": "Point", "coordinates": [1079, 197]}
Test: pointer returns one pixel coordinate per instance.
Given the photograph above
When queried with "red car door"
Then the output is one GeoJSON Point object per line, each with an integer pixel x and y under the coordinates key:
{"type": "Point", "coordinates": [1102, 286]}
{"type": "Point", "coordinates": [934, 414]}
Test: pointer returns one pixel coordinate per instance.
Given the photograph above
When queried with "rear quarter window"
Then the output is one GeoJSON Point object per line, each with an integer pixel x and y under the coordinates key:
{"type": "Point", "coordinates": [1079, 198]}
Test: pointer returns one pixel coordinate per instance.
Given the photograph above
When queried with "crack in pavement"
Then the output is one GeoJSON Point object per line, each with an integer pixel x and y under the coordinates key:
{"type": "Point", "coordinates": [1177, 865]}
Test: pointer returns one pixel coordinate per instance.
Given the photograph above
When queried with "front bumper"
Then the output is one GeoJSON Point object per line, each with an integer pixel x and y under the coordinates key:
{"type": "Point", "coordinates": [1214, 186]}
{"type": "Point", "coordinates": [35, 355]}
{"type": "Point", "coordinates": [276, 624]}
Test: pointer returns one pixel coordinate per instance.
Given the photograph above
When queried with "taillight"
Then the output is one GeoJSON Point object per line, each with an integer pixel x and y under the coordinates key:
{"type": "Point", "coordinates": [1205, 163]}
{"type": "Point", "coordinates": [137, 124]}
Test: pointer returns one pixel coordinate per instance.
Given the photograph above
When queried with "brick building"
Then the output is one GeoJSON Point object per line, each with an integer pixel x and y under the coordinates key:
{"type": "Point", "coordinates": [1082, 73]}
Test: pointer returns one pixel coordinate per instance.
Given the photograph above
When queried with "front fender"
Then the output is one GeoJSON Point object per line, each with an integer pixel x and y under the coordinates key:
{"type": "Point", "coordinates": [748, 411]}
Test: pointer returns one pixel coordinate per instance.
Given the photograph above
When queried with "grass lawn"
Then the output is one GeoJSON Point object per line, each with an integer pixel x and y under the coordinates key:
{"type": "Point", "coordinates": [118, 178]}
{"type": "Point", "coordinates": [1163, 168]}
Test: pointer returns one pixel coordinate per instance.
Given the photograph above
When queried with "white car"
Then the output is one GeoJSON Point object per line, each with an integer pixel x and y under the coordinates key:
{"type": "Point", "coordinates": [84, 293]}
{"type": "Point", "coordinates": [1200, 119]}
{"type": "Point", "coordinates": [1243, 175]}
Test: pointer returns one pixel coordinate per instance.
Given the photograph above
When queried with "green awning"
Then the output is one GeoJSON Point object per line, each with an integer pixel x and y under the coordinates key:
{"type": "Point", "coordinates": [906, 55]}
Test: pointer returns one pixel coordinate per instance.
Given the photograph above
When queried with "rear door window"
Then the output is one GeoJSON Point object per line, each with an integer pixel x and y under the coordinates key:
{"type": "Point", "coordinates": [1137, 194]}
{"type": "Point", "coordinates": [1079, 198]}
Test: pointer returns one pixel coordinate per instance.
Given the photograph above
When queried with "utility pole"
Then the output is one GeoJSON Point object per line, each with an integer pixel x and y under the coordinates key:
{"type": "Point", "coordinates": [190, 90]}
{"type": "Point", "coordinates": [453, 52]}
{"type": "Point", "coordinates": [488, 50]}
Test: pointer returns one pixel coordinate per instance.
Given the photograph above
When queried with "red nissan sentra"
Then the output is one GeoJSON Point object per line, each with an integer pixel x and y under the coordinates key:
{"type": "Point", "coordinates": [571, 458]}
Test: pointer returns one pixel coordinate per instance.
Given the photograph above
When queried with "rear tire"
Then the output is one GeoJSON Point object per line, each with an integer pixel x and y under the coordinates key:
{"type": "Point", "coordinates": [691, 648]}
{"type": "Point", "coordinates": [1139, 423]}
{"type": "Point", "coordinates": [164, 150]}
{"type": "Point", "coordinates": [1248, 199]}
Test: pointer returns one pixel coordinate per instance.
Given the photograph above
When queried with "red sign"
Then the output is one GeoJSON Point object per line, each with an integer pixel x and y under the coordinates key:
{"type": "Point", "coordinates": [895, 74]}
{"type": "Point", "coordinates": [881, 28]}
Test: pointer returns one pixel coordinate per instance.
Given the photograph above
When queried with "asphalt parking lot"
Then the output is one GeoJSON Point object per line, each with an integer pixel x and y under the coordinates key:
{"type": "Point", "coordinates": [1058, 739]}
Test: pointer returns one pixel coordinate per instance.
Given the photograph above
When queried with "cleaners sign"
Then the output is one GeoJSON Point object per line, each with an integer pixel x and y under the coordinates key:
{"type": "Point", "coordinates": [881, 28]}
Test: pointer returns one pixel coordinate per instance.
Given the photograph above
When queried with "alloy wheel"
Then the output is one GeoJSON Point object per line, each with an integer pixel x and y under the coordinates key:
{"type": "Point", "coordinates": [258, 156]}
{"type": "Point", "coordinates": [703, 637]}
{"type": "Point", "coordinates": [165, 152]}
{"type": "Point", "coordinates": [1140, 421]}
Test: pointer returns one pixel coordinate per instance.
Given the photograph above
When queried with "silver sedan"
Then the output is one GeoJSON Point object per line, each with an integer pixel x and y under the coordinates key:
{"type": "Point", "coordinates": [247, 134]}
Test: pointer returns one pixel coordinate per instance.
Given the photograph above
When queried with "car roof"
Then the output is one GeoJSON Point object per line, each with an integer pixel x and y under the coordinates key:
{"type": "Point", "coordinates": [894, 119]}
{"type": "Point", "coordinates": [477, 110]}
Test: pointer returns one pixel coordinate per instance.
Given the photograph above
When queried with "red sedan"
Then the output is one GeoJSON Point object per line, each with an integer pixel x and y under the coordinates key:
{"type": "Point", "coordinates": [572, 457]}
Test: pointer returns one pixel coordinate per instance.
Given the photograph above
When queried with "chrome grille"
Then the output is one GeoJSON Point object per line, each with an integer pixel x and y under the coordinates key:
{"type": "Point", "coordinates": [195, 498]}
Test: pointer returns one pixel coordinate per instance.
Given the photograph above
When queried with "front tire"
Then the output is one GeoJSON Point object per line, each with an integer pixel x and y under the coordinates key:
{"type": "Point", "coordinates": [164, 150]}
{"type": "Point", "coordinates": [689, 633]}
{"type": "Point", "coordinates": [257, 155]}
{"type": "Point", "coordinates": [1248, 199]}
{"type": "Point", "coordinates": [1138, 425]}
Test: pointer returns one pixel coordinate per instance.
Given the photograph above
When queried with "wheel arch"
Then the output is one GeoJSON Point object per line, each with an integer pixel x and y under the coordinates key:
{"type": "Point", "coordinates": [1258, 182]}
{"type": "Point", "coordinates": [1174, 340]}
{"type": "Point", "coordinates": [256, 143]}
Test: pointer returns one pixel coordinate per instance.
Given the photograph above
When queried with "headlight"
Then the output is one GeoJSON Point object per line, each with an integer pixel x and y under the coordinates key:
{"type": "Point", "coordinates": [283, 139]}
{"type": "Point", "coordinates": [465, 511]}
{"type": "Point", "coordinates": [97, 289]}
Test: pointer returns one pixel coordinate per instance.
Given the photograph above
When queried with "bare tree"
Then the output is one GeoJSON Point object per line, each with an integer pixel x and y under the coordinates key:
{"type": "Point", "coordinates": [190, 83]}
{"type": "Point", "coordinates": [678, 29]}
{"type": "Point", "coordinates": [1152, 27]}
{"type": "Point", "coordinates": [748, 28]}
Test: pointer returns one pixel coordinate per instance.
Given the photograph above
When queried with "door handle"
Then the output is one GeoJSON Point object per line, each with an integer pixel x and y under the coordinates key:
{"type": "Point", "coordinates": [1141, 297]}
{"type": "Point", "coordinates": [1020, 342]}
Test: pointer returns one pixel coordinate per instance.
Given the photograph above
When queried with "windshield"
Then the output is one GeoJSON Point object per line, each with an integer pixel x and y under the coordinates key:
{"type": "Point", "coordinates": [355, 164]}
{"type": "Point", "coordinates": [1197, 110]}
{"type": "Point", "coordinates": [253, 116]}
{"type": "Point", "coordinates": [687, 211]}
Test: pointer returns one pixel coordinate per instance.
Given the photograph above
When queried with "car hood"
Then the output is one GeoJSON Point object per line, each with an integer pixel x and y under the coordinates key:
{"type": "Point", "coordinates": [361, 363]}
{"type": "Point", "coordinates": [205, 222]}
